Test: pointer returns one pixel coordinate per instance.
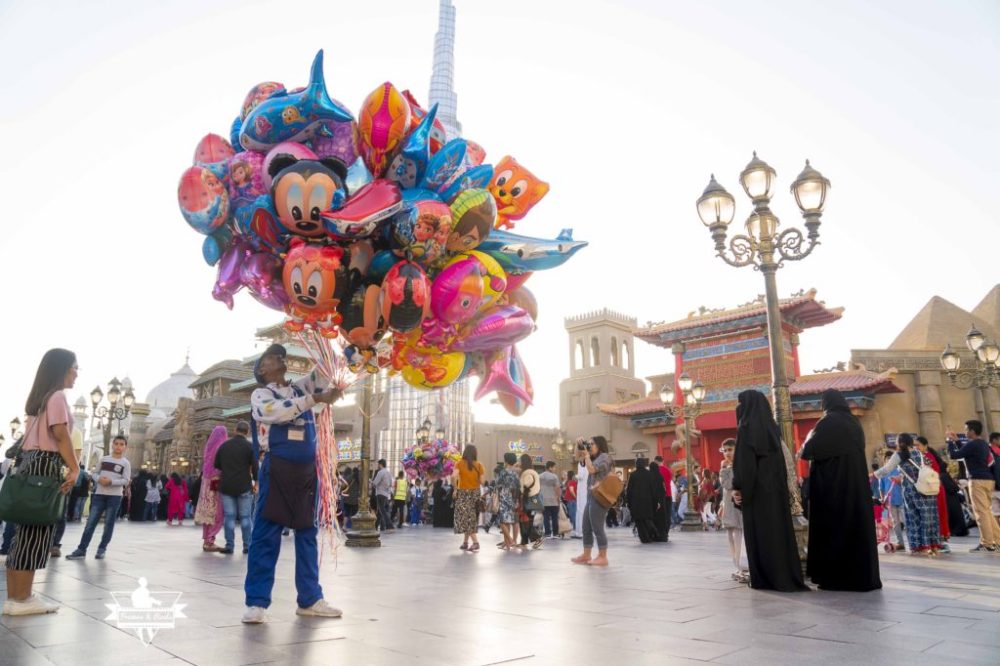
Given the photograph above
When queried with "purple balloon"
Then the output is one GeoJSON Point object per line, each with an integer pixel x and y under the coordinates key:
{"type": "Point", "coordinates": [259, 271]}
{"type": "Point", "coordinates": [273, 295]}
{"type": "Point", "coordinates": [228, 281]}
{"type": "Point", "coordinates": [335, 140]}
{"type": "Point", "coordinates": [501, 327]}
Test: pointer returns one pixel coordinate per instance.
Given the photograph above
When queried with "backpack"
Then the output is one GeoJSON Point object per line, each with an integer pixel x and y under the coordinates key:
{"type": "Point", "coordinates": [928, 481]}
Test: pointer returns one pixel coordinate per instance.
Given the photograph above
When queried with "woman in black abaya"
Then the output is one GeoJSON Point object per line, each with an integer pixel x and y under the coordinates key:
{"type": "Point", "coordinates": [641, 502]}
{"type": "Point", "coordinates": [660, 515]}
{"type": "Point", "coordinates": [842, 549]}
{"type": "Point", "coordinates": [760, 490]}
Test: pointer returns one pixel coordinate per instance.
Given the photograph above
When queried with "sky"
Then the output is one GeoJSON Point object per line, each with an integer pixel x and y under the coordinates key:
{"type": "Point", "coordinates": [625, 108]}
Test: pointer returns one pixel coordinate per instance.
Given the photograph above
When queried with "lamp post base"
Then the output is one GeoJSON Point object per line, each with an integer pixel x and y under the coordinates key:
{"type": "Point", "coordinates": [691, 522]}
{"type": "Point", "coordinates": [801, 527]}
{"type": "Point", "coordinates": [363, 533]}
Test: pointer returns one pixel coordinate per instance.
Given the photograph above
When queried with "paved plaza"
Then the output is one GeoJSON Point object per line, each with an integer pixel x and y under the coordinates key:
{"type": "Point", "coordinates": [419, 599]}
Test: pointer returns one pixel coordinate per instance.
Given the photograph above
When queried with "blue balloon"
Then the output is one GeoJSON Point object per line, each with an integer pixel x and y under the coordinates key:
{"type": "Point", "coordinates": [381, 263]}
{"type": "Point", "coordinates": [418, 194]}
{"type": "Point", "coordinates": [445, 163]}
{"type": "Point", "coordinates": [292, 116]}
{"type": "Point", "coordinates": [523, 254]}
{"type": "Point", "coordinates": [211, 250]}
{"type": "Point", "coordinates": [358, 176]}
{"type": "Point", "coordinates": [409, 166]}
{"type": "Point", "coordinates": [234, 131]}
{"type": "Point", "coordinates": [477, 177]}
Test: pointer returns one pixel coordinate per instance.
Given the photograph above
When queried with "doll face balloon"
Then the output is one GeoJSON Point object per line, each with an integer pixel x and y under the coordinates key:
{"type": "Point", "coordinates": [245, 178]}
{"type": "Point", "coordinates": [473, 213]}
{"type": "Point", "coordinates": [203, 199]}
{"type": "Point", "coordinates": [457, 291]}
{"type": "Point", "coordinates": [422, 232]}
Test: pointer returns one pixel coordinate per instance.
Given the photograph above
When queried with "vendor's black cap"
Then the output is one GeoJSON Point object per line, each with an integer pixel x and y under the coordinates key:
{"type": "Point", "coordinates": [273, 350]}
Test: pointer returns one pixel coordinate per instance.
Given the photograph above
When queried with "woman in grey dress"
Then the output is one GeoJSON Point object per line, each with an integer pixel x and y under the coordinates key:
{"type": "Point", "coordinates": [732, 518]}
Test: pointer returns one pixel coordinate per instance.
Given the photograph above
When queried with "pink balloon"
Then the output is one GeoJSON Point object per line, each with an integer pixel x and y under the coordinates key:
{"type": "Point", "coordinates": [212, 149]}
{"type": "Point", "coordinates": [515, 281]}
{"type": "Point", "coordinates": [457, 291]}
{"type": "Point", "coordinates": [296, 150]}
{"type": "Point", "coordinates": [501, 327]}
{"type": "Point", "coordinates": [505, 373]}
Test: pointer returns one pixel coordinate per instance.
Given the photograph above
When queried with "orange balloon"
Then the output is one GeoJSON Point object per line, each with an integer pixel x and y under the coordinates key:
{"type": "Point", "coordinates": [384, 121]}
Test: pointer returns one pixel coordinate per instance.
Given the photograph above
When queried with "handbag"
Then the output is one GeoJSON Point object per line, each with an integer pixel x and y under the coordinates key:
{"type": "Point", "coordinates": [606, 492]}
{"type": "Point", "coordinates": [532, 503]}
{"type": "Point", "coordinates": [480, 500]}
{"type": "Point", "coordinates": [31, 499]}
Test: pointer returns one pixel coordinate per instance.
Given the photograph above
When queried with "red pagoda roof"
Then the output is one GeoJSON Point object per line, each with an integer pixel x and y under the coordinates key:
{"type": "Point", "coordinates": [801, 310]}
{"type": "Point", "coordinates": [846, 382]}
{"type": "Point", "coordinates": [850, 380]}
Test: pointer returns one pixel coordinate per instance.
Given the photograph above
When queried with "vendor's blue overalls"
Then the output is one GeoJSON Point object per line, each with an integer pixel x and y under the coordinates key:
{"type": "Point", "coordinates": [265, 545]}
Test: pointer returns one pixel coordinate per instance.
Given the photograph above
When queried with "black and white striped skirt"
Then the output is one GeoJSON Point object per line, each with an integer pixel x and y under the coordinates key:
{"type": "Point", "coordinates": [30, 549]}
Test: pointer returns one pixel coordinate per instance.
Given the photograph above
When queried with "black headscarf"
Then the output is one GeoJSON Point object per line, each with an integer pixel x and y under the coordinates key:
{"type": "Point", "coordinates": [755, 424]}
{"type": "Point", "coordinates": [838, 433]}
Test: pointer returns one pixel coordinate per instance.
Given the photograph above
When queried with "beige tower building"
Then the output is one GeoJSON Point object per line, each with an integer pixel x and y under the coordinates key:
{"type": "Point", "coordinates": [602, 371]}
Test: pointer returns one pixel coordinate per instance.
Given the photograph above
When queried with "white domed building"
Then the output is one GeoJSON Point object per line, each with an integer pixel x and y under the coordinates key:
{"type": "Point", "coordinates": [163, 398]}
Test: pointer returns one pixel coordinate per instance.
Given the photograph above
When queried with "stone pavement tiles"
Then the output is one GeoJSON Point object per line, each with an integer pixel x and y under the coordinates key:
{"type": "Point", "coordinates": [419, 599]}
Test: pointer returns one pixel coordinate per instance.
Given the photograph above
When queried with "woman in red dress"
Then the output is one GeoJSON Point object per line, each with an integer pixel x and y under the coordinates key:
{"type": "Point", "coordinates": [937, 464]}
{"type": "Point", "coordinates": [178, 498]}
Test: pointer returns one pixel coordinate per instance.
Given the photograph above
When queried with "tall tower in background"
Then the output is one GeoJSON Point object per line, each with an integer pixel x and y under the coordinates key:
{"type": "Point", "coordinates": [602, 371]}
{"type": "Point", "coordinates": [442, 90]}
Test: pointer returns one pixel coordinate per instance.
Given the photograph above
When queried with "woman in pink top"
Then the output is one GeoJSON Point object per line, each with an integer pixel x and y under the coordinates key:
{"type": "Point", "coordinates": [209, 511]}
{"type": "Point", "coordinates": [47, 449]}
{"type": "Point", "coordinates": [177, 498]}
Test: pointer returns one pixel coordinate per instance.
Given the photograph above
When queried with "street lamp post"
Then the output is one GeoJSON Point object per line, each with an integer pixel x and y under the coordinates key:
{"type": "Point", "coordinates": [117, 409]}
{"type": "Point", "coordinates": [692, 395]}
{"type": "Point", "coordinates": [363, 533]}
{"type": "Point", "coordinates": [986, 373]}
{"type": "Point", "coordinates": [758, 248]}
{"type": "Point", "coordinates": [562, 448]}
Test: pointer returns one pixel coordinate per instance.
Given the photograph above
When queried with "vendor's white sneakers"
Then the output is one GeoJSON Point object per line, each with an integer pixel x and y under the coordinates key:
{"type": "Point", "coordinates": [33, 605]}
{"type": "Point", "coordinates": [254, 615]}
{"type": "Point", "coordinates": [319, 609]}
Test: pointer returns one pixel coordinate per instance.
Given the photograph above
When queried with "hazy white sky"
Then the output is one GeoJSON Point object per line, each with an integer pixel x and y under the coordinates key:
{"type": "Point", "coordinates": [624, 107]}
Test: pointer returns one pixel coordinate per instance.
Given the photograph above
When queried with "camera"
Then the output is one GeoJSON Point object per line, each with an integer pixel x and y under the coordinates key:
{"type": "Point", "coordinates": [581, 446]}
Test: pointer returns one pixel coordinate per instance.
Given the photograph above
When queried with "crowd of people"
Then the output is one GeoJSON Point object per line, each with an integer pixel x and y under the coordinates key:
{"type": "Point", "coordinates": [911, 501]}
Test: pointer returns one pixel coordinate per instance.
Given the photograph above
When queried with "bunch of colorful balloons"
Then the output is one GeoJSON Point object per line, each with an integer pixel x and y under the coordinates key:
{"type": "Point", "coordinates": [431, 460]}
{"type": "Point", "coordinates": [382, 232]}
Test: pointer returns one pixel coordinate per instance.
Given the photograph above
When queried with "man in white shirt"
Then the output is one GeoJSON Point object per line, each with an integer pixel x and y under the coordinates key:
{"type": "Point", "coordinates": [286, 434]}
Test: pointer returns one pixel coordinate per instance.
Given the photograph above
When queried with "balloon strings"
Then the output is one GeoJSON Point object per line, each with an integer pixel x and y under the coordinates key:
{"type": "Point", "coordinates": [334, 370]}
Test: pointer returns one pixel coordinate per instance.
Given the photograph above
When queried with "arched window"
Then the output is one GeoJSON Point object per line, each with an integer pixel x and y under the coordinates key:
{"type": "Point", "coordinates": [614, 352]}
{"type": "Point", "coordinates": [580, 359]}
{"type": "Point", "coordinates": [626, 356]}
{"type": "Point", "coordinates": [595, 352]}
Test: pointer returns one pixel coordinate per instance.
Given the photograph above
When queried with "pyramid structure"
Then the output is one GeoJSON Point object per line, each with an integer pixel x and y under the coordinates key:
{"type": "Point", "coordinates": [941, 322]}
{"type": "Point", "coordinates": [989, 308]}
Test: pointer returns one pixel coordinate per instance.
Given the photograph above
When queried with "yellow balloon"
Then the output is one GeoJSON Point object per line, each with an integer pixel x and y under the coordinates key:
{"type": "Point", "coordinates": [436, 371]}
{"type": "Point", "coordinates": [494, 278]}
